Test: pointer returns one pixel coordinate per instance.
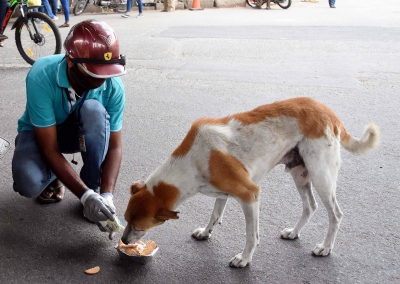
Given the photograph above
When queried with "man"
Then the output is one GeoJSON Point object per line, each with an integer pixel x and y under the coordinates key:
{"type": "Point", "coordinates": [74, 104]}
{"type": "Point", "coordinates": [169, 6]}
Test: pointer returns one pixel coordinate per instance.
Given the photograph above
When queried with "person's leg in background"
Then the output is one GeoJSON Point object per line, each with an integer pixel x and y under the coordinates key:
{"type": "Point", "coordinates": [140, 6]}
{"type": "Point", "coordinates": [48, 10]}
{"type": "Point", "coordinates": [65, 5]}
{"type": "Point", "coordinates": [332, 3]}
{"type": "Point", "coordinates": [165, 6]}
{"type": "Point", "coordinates": [54, 6]}
{"type": "Point", "coordinates": [3, 11]}
{"type": "Point", "coordinates": [169, 6]}
{"type": "Point", "coordinates": [268, 4]}
{"type": "Point", "coordinates": [128, 9]}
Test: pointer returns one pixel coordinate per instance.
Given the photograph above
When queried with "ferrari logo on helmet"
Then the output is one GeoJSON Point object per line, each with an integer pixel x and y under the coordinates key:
{"type": "Point", "coordinates": [108, 56]}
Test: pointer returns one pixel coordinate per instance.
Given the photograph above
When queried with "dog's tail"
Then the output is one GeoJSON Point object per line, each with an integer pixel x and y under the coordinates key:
{"type": "Point", "coordinates": [368, 141]}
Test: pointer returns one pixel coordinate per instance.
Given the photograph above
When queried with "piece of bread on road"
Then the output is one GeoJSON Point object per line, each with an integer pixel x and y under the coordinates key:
{"type": "Point", "coordinates": [93, 270]}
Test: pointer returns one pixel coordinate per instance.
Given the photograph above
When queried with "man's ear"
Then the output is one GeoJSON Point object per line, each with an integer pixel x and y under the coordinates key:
{"type": "Point", "coordinates": [137, 186]}
{"type": "Point", "coordinates": [165, 214]}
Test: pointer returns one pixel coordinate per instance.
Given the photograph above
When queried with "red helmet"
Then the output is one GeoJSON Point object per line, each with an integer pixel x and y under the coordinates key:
{"type": "Point", "coordinates": [94, 45]}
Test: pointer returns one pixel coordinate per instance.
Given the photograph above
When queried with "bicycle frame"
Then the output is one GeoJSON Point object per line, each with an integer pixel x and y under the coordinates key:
{"type": "Point", "coordinates": [31, 31]}
{"type": "Point", "coordinates": [24, 10]}
{"type": "Point", "coordinates": [10, 11]}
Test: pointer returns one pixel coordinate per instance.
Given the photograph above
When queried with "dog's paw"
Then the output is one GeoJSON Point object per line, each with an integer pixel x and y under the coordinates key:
{"type": "Point", "coordinates": [288, 234]}
{"type": "Point", "coordinates": [320, 250]}
{"type": "Point", "coordinates": [201, 234]}
{"type": "Point", "coordinates": [239, 261]}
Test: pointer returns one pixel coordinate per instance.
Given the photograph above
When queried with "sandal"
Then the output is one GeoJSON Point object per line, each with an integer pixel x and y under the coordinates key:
{"type": "Point", "coordinates": [65, 25]}
{"type": "Point", "coordinates": [3, 37]}
{"type": "Point", "coordinates": [49, 194]}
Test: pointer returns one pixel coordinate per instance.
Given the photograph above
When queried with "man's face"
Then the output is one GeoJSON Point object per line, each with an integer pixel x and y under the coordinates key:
{"type": "Point", "coordinates": [93, 82]}
{"type": "Point", "coordinates": [82, 79]}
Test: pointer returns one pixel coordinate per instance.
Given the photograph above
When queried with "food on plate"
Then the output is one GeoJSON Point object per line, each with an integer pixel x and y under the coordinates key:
{"type": "Point", "coordinates": [138, 248]}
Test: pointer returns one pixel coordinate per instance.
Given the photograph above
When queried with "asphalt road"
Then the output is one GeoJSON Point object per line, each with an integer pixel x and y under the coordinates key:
{"type": "Point", "coordinates": [190, 64]}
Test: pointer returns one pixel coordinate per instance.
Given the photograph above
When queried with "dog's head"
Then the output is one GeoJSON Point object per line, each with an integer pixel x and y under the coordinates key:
{"type": "Point", "coordinates": [148, 209]}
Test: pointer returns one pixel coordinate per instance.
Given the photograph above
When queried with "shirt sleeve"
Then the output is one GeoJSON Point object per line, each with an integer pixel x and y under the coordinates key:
{"type": "Point", "coordinates": [116, 104]}
{"type": "Point", "coordinates": [40, 105]}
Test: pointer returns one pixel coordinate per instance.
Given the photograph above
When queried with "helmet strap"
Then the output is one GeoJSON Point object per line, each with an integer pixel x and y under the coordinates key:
{"type": "Point", "coordinates": [120, 60]}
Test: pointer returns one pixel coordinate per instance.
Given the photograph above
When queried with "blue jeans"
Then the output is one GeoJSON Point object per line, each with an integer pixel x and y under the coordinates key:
{"type": "Point", "coordinates": [129, 5]}
{"type": "Point", "coordinates": [65, 5]}
{"type": "Point", "coordinates": [54, 6]}
{"type": "Point", "coordinates": [30, 172]}
{"type": "Point", "coordinates": [332, 2]}
{"type": "Point", "coordinates": [48, 9]}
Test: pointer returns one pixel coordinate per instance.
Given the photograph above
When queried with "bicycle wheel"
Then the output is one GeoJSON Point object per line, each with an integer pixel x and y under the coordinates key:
{"type": "Point", "coordinates": [253, 3]}
{"type": "Point", "coordinates": [46, 37]}
{"type": "Point", "coordinates": [284, 4]}
{"type": "Point", "coordinates": [80, 6]}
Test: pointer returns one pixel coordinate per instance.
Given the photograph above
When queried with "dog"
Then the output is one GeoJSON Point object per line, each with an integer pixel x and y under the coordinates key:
{"type": "Point", "coordinates": [229, 157]}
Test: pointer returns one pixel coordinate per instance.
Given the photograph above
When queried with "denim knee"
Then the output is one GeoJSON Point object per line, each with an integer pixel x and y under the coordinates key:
{"type": "Point", "coordinates": [29, 170]}
{"type": "Point", "coordinates": [93, 116]}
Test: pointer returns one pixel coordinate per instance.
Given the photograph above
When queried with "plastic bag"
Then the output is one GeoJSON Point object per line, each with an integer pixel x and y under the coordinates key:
{"type": "Point", "coordinates": [34, 2]}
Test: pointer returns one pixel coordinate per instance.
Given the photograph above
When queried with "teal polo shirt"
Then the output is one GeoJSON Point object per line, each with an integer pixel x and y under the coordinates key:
{"type": "Point", "coordinates": [47, 101]}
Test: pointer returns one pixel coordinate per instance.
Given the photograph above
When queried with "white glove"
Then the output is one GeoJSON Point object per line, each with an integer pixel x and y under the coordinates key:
{"type": "Point", "coordinates": [108, 201]}
{"type": "Point", "coordinates": [114, 227]}
{"type": "Point", "coordinates": [94, 207]}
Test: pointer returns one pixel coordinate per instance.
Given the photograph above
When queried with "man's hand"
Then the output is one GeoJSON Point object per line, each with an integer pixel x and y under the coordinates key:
{"type": "Point", "coordinates": [94, 207]}
{"type": "Point", "coordinates": [108, 201]}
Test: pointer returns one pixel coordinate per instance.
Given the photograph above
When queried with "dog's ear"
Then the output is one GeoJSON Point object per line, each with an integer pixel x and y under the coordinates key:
{"type": "Point", "coordinates": [137, 186]}
{"type": "Point", "coordinates": [165, 214]}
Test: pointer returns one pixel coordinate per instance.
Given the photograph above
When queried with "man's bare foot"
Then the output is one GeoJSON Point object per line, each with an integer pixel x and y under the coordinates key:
{"type": "Point", "coordinates": [54, 192]}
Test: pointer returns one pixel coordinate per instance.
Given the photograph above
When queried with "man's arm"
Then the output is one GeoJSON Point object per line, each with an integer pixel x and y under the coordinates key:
{"type": "Point", "coordinates": [111, 163]}
{"type": "Point", "coordinates": [47, 139]}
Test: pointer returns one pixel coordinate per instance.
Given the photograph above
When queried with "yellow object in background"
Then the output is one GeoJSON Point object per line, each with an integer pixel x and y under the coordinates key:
{"type": "Point", "coordinates": [34, 2]}
{"type": "Point", "coordinates": [29, 52]}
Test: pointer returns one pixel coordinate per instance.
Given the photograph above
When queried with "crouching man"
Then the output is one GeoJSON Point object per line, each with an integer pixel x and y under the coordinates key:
{"type": "Point", "coordinates": [75, 103]}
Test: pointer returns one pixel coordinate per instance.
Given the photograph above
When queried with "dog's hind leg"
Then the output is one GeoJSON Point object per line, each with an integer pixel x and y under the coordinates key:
{"type": "Point", "coordinates": [303, 184]}
{"type": "Point", "coordinates": [323, 163]}
{"type": "Point", "coordinates": [335, 217]}
{"type": "Point", "coordinates": [216, 218]}
{"type": "Point", "coordinates": [251, 213]}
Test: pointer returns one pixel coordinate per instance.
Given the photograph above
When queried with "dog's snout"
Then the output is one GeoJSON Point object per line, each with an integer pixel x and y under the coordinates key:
{"type": "Point", "coordinates": [124, 240]}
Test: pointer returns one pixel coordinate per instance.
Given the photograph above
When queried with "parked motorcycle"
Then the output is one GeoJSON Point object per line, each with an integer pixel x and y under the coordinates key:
{"type": "Point", "coordinates": [115, 5]}
{"type": "Point", "coordinates": [284, 4]}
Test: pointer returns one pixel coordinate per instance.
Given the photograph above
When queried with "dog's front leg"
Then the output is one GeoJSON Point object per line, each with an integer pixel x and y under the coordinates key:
{"type": "Point", "coordinates": [216, 218]}
{"type": "Point", "coordinates": [251, 212]}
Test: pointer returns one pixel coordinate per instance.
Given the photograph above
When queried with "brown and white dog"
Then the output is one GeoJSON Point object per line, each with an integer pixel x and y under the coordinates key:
{"type": "Point", "coordinates": [229, 157]}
